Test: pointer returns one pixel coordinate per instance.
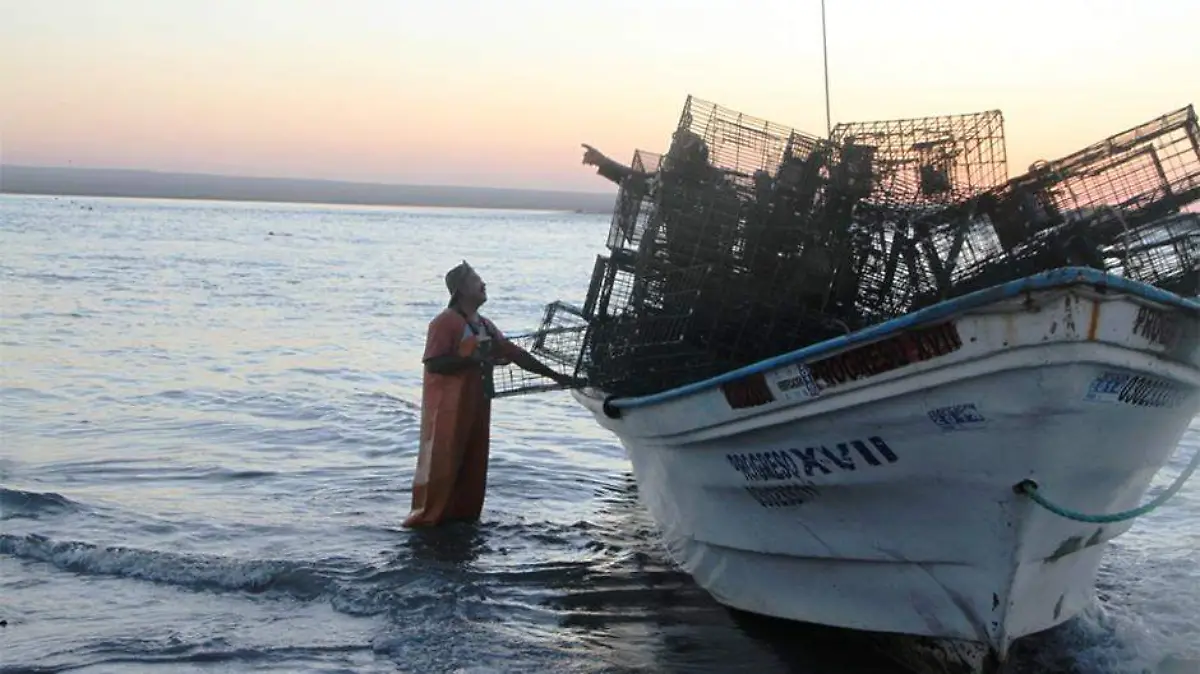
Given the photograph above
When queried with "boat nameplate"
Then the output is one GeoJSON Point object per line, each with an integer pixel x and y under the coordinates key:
{"type": "Point", "coordinates": [869, 360]}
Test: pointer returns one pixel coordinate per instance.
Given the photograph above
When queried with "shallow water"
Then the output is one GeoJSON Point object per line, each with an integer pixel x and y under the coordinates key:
{"type": "Point", "coordinates": [209, 415]}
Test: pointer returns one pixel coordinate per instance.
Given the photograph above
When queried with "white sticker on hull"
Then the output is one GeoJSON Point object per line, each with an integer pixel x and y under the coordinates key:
{"type": "Point", "coordinates": [793, 382]}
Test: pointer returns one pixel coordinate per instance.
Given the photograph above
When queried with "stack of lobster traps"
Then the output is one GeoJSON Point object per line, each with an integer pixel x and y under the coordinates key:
{"type": "Point", "coordinates": [747, 239]}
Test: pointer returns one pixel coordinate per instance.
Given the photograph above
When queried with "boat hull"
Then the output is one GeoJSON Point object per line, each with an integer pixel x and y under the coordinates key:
{"type": "Point", "coordinates": [881, 498]}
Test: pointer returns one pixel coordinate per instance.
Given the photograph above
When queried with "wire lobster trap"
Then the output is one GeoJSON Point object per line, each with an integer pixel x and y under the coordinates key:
{"type": "Point", "coordinates": [732, 141]}
{"type": "Point", "coordinates": [558, 343]}
{"type": "Point", "coordinates": [631, 356]}
{"type": "Point", "coordinates": [646, 323]}
{"type": "Point", "coordinates": [1165, 253]}
{"type": "Point", "coordinates": [897, 263]}
{"type": "Point", "coordinates": [634, 203]}
{"type": "Point", "coordinates": [627, 285]}
{"type": "Point", "coordinates": [645, 161]}
{"type": "Point", "coordinates": [929, 160]}
{"type": "Point", "coordinates": [1107, 206]}
{"type": "Point", "coordinates": [747, 195]}
{"type": "Point", "coordinates": [1141, 175]}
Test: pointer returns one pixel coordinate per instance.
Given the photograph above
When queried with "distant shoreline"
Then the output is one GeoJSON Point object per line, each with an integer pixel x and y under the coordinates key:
{"type": "Point", "coordinates": [140, 184]}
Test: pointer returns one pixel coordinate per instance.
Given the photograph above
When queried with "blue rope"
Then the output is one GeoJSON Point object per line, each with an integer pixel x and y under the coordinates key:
{"type": "Point", "coordinates": [1030, 489]}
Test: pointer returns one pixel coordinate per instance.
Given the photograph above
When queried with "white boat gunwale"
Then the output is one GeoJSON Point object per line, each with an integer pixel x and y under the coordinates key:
{"type": "Point", "coordinates": [1062, 278]}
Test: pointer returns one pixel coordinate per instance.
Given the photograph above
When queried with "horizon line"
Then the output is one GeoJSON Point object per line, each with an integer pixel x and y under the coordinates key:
{"type": "Point", "coordinates": [334, 181]}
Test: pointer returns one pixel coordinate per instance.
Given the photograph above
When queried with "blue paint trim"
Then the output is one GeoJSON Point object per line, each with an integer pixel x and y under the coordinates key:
{"type": "Point", "coordinates": [1066, 276]}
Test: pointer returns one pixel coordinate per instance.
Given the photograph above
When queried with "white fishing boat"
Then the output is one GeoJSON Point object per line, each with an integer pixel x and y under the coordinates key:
{"type": "Point", "coordinates": [944, 481]}
{"type": "Point", "coordinates": [902, 479]}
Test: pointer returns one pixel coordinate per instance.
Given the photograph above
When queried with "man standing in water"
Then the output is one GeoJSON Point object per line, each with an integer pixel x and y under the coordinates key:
{"type": "Point", "coordinates": [460, 347]}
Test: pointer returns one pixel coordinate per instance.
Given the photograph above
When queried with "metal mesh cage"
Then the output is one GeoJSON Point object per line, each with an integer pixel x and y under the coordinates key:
{"type": "Point", "coordinates": [1111, 206]}
{"type": "Point", "coordinates": [733, 142]}
{"type": "Point", "coordinates": [1165, 254]}
{"type": "Point", "coordinates": [929, 160]}
{"type": "Point", "coordinates": [646, 162]}
{"type": "Point", "coordinates": [558, 343]}
{"type": "Point", "coordinates": [634, 203]}
{"type": "Point", "coordinates": [1143, 173]}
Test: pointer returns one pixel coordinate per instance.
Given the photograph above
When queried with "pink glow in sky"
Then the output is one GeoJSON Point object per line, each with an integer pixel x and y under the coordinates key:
{"type": "Point", "coordinates": [469, 92]}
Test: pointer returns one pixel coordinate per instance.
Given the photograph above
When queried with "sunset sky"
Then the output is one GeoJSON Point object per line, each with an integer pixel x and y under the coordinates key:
{"type": "Point", "coordinates": [501, 93]}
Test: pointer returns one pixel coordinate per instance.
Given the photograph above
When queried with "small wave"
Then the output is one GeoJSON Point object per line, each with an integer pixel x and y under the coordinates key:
{"type": "Point", "coordinates": [145, 470]}
{"type": "Point", "coordinates": [351, 588]}
{"type": "Point", "coordinates": [121, 654]}
{"type": "Point", "coordinates": [1102, 639]}
{"type": "Point", "coordinates": [16, 503]}
{"type": "Point", "coordinates": [50, 277]}
{"type": "Point", "coordinates": [360, 409]}
{"type": "Point", "coordinates": [216, 473]}
{"type": "Point", "coordinates": [198, 572]}
{"type": "Point", "coordinates": [31, 393]}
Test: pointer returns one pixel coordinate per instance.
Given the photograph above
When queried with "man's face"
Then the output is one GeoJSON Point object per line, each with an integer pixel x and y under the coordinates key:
{"type": "Point", "coordinates": [475, 289]}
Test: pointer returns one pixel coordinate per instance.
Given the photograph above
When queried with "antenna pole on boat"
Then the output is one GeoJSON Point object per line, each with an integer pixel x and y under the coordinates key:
{"type": "Point", "coordinates": [825, 52]}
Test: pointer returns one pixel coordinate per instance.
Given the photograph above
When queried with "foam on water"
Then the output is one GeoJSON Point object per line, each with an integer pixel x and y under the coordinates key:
{"type": "Point", "coordinates": [210, 414]}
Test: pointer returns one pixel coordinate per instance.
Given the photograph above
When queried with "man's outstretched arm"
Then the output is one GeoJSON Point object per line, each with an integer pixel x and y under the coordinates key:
{"type": "Point", "coordinates": [524, 360]}
{"type": "Point", "coordinates": [609, 168]}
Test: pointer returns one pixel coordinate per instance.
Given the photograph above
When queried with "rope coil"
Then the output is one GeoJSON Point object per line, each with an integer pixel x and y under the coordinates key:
{"type": "Point", "coordinates": [1030, 488]}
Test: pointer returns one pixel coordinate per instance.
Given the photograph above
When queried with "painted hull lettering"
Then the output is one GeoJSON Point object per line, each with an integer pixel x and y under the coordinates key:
{"type": "Point", "coordinates": [1156, 327]}
{"type": "Point", "coordinates": [782, 496]}
{"type": "Point", "coordinates": [886, 355]}
{"type": "Point", "coordinates": [955, 417]}
{"type": "Point", "coordinates": [1136, 390]}
{"type": "Point", "coordinates": [809, 457]}
{"type": "Point", "coordinates": [840, 456]}
{"type": "Point", "coordinates": [762, 466]}
{"type": "Point", "coordinates": [884, 451]}
{"type": "Point", "coordinates": [799, 464]}
{"type": "Point", "coordinates": [867, 456]}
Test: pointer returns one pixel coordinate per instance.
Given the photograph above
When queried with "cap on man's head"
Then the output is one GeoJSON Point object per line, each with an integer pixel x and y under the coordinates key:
{"type": "Point", "coordinates": [456, 277]}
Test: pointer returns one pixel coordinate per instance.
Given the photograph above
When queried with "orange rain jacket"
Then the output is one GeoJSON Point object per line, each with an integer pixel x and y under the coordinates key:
{"type": "Point", "coordinates": [452, 465]}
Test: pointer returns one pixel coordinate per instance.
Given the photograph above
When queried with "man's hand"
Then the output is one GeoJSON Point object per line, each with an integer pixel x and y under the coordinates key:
{"type": "Point", "coordinates": [592, 156]}
{"type": "Point", "coordinates": [569, 381]}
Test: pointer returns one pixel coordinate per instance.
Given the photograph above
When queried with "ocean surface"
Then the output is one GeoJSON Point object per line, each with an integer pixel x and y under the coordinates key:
{"type": "Point", "coordinates": [208, 427]}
